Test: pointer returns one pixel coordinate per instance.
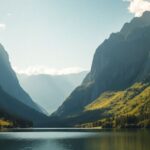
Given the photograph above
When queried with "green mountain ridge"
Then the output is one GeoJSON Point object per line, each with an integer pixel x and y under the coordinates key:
{"type": "Point", "coordinates": [132, 104]}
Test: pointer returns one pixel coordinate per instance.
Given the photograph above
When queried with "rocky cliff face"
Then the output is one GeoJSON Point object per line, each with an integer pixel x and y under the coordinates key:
{"type": "Point", "coordinates": [119, 62]}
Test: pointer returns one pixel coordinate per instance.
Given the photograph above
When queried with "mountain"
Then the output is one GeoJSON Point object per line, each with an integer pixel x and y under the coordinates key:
{"type": "Point", "coordinates": [14, 101]}
{"type": "Point", "coordinates": [119, 62]}
{"type": "Point", "coordinates": [127, 108]}
{"type": "Point", "coordinates": [9, 81]}
{"type": "Point", "coordinates": [49, 91]}
{"type": "Point", "coordinates": [18, 113]}
{"type": "Point", "coordinates": [135, 24]}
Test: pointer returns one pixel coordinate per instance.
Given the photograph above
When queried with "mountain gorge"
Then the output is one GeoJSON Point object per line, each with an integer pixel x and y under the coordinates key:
{"type": "Point", "coordinates": [49, 91]}
{"type": "Point", "coordinates": [115, 93]}
{"type": "Point", "coordinates": [120, 62]}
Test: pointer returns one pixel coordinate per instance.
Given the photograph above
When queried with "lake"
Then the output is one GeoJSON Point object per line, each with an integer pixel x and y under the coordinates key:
{"type": "Point", "coordinates": [78, 140]}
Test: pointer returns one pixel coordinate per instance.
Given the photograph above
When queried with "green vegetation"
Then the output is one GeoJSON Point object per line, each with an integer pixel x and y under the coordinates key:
{"type": "Point", "coordinates": [122, 109]}
{"type": "Point", "coordinates": [5, 123]}
{"type": "Point", "coordinates": [10, 121]}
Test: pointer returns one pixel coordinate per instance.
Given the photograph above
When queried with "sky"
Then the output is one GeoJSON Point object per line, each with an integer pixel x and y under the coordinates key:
{"type": "Point", "coordinates": [60, 36]}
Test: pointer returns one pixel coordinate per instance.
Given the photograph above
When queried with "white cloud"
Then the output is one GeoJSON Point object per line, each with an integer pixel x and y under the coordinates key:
{"type": "Point", "coordinates": [137, 7]}
{"type": "Point", "coordinates": [35, 70]}
{"type": "Point", "coordinates": [2, 26]}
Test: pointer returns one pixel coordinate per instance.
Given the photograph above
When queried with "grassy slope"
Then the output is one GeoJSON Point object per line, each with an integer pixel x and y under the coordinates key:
{"type": "Point", "coordinates": [132, 101]}
{"type": "Point", "coordinates": [130, 107]}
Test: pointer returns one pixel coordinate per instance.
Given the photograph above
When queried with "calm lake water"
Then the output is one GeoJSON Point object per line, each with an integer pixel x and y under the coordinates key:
{"type": "Point", "coordinates": [100, 140]}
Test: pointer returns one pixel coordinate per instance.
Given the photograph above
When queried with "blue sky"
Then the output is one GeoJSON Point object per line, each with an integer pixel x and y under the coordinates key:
{"type": "Point", "coordinates": [58, 33]}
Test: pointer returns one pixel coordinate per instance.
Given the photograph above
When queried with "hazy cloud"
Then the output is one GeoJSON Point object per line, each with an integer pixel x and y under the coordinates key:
{"type": "Point", "coordinates": [137, 7]}
{"type": "Point", "coordinates": [9, 14]}
{"type": "Point", "coordinates": [34, 70]}
{"type": "Point", "coordinates": [2, 26]}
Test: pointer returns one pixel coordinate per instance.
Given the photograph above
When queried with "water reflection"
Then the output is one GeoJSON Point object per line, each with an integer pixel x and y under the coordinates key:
{"type": "Point", "coordinates": [106, 140]}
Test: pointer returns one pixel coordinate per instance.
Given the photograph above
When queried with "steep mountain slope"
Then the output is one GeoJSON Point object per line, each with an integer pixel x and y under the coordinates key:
{"type": "Point", "coordinates": [132, 101]}
{"type": "Point", "coordinates": [50, 91]}
{"type": "Point", "coordinates": [16, 111]}
{"type": "Point", "coordinates": [128, 108]}
{"type": "Point", "coordinates": [124, 109]}
{"type": "Point", "coordinates": [9, 81]}
{"type": "Point", "coordinates": [118, 63]}
{"type": "Point", "coordinates": [135, 24]}
{"type": "Point", "coordinates": [15, 103]}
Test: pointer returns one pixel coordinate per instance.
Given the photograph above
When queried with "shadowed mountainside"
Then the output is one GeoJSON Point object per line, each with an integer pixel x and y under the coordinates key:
{"type": "Point", "coordinates": [119, 62]}
{"type": "Point", "coordinates": [9, 81]}
{"type": "Point", "coordinates": [14, 101]}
